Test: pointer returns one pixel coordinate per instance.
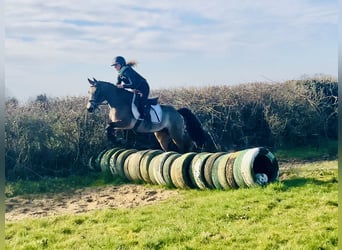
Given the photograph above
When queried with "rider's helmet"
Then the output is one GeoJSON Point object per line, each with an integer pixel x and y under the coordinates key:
{"type": "Point", "coordinates": [119, 60]}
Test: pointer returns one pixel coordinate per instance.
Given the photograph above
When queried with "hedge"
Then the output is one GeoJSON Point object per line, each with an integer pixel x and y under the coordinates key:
{"type": "Point", "coordinates": [56, 136]}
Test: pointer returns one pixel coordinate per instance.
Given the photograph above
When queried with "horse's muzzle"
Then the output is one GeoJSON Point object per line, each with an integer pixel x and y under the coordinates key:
{"type": "Point", "coordinates": [91, 107]}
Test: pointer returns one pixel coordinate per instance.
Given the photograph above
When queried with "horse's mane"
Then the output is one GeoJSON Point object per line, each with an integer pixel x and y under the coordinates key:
{"type": "Point", "coordinates": [110, 84]}
{"type": "Point", "coordinates": [104, 82]}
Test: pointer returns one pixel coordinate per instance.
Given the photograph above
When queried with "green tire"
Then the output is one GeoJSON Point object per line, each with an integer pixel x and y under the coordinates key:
{"type": "Point", "coordinates": [196, 170]}
{"type": "Point", "coordinates": [145, 165]}
{"type": "Point", "coordinates": [98, 159]}
{"type": "Point", "coordinates": [237, 168]}
{"type": "Point", "coordinates": [180, 171]}
{"type": "Point", "coordinates": [112, 162]}
{"type": "Point", "coordinates": [249, 162]}
{"type": "Point", "coordinates": [215, 172]}
{"type": "Point", "coordinates": [229, 170]}
{"type": "Point", "coordinates": [104, 162]}
{"type": "Point", "coordinates": [132, 165]}
{"type": "Point", "coordinates": [221, 171]}
{"type": "Point", "coordinates": [167, 169]}
{"type": "Point", "coordinates": [120, 161]}
{"type": "Point", "coordinates": [91, 163]}
{"type": "Point", "coordinates": [157, 166]}
{"type": "Point", "coordinates": [208, 166]}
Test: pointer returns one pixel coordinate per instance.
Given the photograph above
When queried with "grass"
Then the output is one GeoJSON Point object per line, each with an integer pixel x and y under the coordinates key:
{"type": "Point", "coordinates": [299, 212]}
{"type": "Point", "coordinates": [55, 185]}
{"type": "Point", "coordinates": [325, 149]}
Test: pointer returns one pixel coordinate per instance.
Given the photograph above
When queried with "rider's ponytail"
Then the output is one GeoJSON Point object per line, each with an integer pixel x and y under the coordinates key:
{"type": "Point", "coordinates": [132, 63]}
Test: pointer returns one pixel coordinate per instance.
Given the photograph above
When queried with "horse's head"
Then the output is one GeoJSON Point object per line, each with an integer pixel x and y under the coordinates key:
{"type": "Point", "coordinates": [95, 95]}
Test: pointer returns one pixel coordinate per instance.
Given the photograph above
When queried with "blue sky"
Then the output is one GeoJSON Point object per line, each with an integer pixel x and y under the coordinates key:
{"type": "Point", "coordinates": [52, 47]}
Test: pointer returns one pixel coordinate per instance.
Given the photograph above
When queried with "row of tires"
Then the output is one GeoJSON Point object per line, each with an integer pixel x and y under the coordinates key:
{"type": "Point", "coordinates": [221, 170]}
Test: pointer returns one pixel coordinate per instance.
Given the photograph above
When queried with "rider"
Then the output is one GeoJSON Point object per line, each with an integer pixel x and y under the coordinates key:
{"type": "Point", "coordinates": [129, 78]}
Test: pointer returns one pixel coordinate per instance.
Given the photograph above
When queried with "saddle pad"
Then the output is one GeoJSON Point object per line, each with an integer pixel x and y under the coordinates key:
{"type": "Point", "coordinates": [155, 112]}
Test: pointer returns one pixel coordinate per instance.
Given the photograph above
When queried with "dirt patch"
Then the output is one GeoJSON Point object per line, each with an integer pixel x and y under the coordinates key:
{"type": "Point", "coordinates": [83, 200]}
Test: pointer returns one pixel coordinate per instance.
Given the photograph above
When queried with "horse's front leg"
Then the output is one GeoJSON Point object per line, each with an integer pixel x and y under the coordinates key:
{"type": "Point", "coordinates": [111, 132]}
{"type": "Point", "coordinates": [114, 128]}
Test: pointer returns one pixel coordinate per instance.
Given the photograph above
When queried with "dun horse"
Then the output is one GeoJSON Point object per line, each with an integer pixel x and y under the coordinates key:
{"type": "Point", "coordinates": [175, 127]}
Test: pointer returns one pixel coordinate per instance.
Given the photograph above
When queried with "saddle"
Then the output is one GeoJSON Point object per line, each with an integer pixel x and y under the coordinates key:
{"type": "Point", "coordinates": [152, 101]}
{"type": "Point", "coordinates": [149, 101]}
{"type": "Point", "coordinates": [153, 106]}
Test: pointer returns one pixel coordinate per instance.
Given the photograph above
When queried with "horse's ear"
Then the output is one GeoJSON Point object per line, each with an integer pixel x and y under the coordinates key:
{"type": "Point", "coordinates": [92, 82]}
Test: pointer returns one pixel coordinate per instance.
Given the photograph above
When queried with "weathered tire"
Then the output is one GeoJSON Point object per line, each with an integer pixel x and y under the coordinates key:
{"type": "Point", "coordinates": [150, 169]}
{"type": "Point", "coordinates": [196, 170]}
{"type": "Point", "coordinates": [221, 171]}
{"type": "Point", "coordinates": [112, 162]}
{"type": "Point", "coordinates": [180, 171]}
{"type": "Point", "coordinates": [104, 162]}
{"type": "Point", "coordinates": [145, 164]}
{"type": "Point", "coordinates": [91, 163]}
{"type": "Point", "coordinates": [120, 161]}
{"type": "Point", "coordinates": [132, 165]}
{"type": "Point", "coordinates": [237, 168]}
{"type": "Point", "coordinates": [215, 172]}
{"type": "Point", "coordinates": [167, 169]}
{"type": "Point", "coordinates": [252, 161]}
{"type": "Point", "coordinates": [101, 160]}
{"type": "Point", "coordinates": [267, 163]}
{"type": "Point", "coordinates": [98, 159]}
{"type": "Point", "coordinates": [229, 170]}
{"type": "Point", "coordinates": [125, 167]}
{"type": "Point", "coordinates": [156, 168]}
{"type": "Point", "coordinates": [208, 166]}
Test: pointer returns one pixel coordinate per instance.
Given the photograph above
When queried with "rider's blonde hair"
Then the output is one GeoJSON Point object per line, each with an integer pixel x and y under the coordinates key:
{"type": "Point", "coordinates": [132, 63]}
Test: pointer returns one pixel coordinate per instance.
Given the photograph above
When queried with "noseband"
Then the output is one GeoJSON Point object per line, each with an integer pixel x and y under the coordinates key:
{"type": "Point", "coordinates": [94, 103]}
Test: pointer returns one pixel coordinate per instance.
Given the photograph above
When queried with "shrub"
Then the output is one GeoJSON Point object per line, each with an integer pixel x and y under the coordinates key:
{"type": "Point", "coordinates": [56, 136]}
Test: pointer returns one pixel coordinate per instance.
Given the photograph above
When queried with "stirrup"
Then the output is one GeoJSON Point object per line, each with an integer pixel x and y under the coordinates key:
{"type": "Point", "coordinates": [148, 124]}
{"type": "Point", "coordinates": [142, 117]}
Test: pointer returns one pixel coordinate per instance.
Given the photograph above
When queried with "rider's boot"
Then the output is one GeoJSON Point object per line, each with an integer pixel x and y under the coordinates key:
{"type": "Point", "coordinates": [147, 117]}
{"type": "Point", "coordinates": [141, 110]}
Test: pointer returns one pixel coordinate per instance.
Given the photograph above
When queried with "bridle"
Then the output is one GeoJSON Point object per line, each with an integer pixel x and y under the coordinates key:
{"type": "Point", "coordinates": [92, 103]}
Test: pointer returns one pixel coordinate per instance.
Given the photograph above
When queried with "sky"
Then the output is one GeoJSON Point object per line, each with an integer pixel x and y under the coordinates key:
{"type": "Point", "coordinates": [52, 47]}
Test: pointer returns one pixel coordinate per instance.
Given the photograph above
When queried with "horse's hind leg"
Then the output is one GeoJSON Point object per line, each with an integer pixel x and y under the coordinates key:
{"type": "Point", "coordinates": [180, 139]}
{"type": "Point", "coordinates": [164, 140]}
{"type": "Point", "coordinates": [184, 143]}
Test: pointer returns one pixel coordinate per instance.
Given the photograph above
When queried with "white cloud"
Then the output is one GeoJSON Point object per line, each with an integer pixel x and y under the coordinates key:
{"type": "Point", "coordinates": [44, 36]}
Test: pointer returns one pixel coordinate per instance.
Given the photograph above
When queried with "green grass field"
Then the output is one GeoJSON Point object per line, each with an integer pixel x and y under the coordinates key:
{"type": "Point", "coordinates": [299, 212]}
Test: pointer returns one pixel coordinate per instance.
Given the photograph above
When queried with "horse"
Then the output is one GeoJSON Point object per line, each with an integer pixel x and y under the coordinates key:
{"type": "Point", "coordinates": [179, 128]}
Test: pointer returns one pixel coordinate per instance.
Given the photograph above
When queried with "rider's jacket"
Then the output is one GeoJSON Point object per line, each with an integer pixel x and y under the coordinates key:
{"type": "Point", "coordinates": [129, 78]}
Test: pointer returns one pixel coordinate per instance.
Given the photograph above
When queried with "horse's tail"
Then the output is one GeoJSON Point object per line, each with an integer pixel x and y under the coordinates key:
{"type": "Point", "coordinates": [194, 127]}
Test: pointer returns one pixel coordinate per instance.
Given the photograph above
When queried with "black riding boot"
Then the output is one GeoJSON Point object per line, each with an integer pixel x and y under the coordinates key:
{"type": "Point", "coordinates": [147, 117]}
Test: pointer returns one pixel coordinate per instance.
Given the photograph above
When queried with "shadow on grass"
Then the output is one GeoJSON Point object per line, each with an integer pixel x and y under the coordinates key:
{"type": "Point", "coordinates": [57, 185]}
{"type": "Point", "coordinates": [300, 182]}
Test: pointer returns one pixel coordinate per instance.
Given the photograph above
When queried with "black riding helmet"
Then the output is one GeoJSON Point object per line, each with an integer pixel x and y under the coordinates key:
{"type": "Point", "coordinates": [119, 60]}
